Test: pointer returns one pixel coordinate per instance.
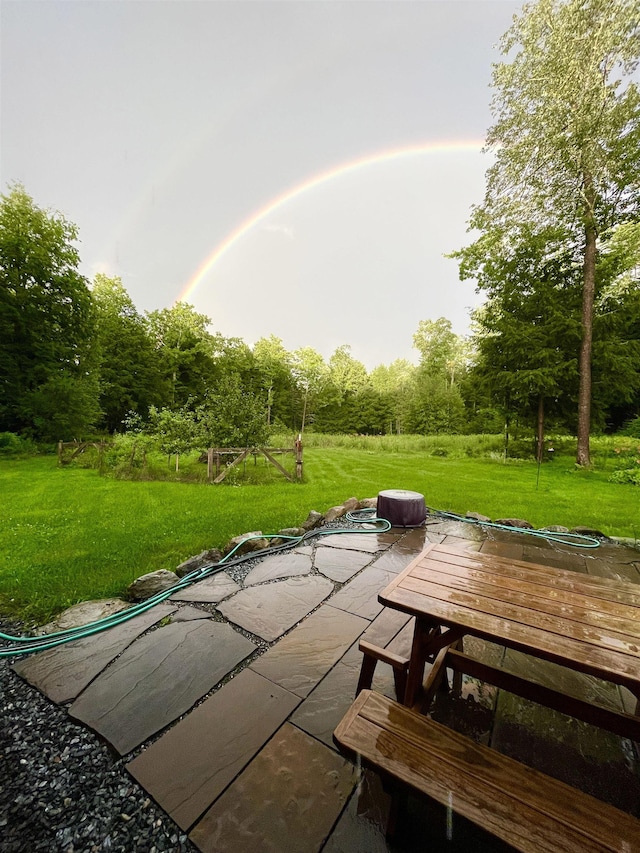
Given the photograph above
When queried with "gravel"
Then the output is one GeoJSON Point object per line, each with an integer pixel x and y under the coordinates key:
{"type": "Point", "coordinates": [62, 789]}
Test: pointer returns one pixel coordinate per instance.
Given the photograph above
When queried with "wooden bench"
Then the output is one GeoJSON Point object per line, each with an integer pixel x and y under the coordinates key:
{"type": "Point", "coordinates": [516, 803]}
{"type": "Point", "coordinates": [387, 639]}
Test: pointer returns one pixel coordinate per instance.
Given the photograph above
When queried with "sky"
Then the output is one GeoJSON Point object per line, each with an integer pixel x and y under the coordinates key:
{"type": "Point", "coordinates": [291, 168]}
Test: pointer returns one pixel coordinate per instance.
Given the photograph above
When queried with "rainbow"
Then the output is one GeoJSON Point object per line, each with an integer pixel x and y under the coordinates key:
{"type": "Point", "coordinates": [311, 183]}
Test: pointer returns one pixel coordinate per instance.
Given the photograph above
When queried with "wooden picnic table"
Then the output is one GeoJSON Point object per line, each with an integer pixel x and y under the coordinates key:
{"type": "Point", "coordinates": [588, 624]}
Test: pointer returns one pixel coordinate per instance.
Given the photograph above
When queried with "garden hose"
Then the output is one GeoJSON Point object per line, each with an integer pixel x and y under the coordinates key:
{"type": "Point", "coordinates": [573, 539]}
{"type": "Point", "coordinates": [29, 645]}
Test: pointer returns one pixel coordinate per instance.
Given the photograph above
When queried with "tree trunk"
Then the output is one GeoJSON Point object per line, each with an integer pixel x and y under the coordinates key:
{"type": "Point", "coordinates": [583, 456]}
{"type": "Point", "coordinates": [540, 431]}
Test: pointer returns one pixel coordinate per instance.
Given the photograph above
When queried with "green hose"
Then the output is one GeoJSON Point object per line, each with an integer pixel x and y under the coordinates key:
{"type": "Point", "coordinates": [58, 638]}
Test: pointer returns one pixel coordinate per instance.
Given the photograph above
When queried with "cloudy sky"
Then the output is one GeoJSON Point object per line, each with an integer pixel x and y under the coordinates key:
{"type": "Point", "coordinates": [292, 168]}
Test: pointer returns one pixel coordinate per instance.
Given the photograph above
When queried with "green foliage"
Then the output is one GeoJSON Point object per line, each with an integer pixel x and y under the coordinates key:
{"type": "Point", "coordinates": [632, 428]}
{"type": "Point", "coordinates": [627, 464]}
{"type": "Point", "coordinates": [231, 416]}
{"type": "Point", "coordinates": [15, 445]}
{"type": "Point", "coordinates": [46, 325]}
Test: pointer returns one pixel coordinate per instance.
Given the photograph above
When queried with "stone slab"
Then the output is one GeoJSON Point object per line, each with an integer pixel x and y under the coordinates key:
{"type": "Point", "coordinates": [62, 673]}
{"type": "Point", "coordinates": [369, 542]}
{"type": "Point", "coordinates": [360, 596]}
{"type": "Point", "coordinates": [279, 566]}
{"type": "Point", "coordinates": [209, 590]}
{"type": "Point", "coordinates": [304, 656]}
{"type": "Point", "coordinates": [340, 564]}
{"type": "Point", "coordinates": [287, 799]}
{"type": "Point", "coordinates": [323, 709]}
{"type": "Point", "coordinates": [158, 678]}
{"type": "Point", "coordinates": [272, 609]}
{"type": "Point", "coordinates": [185, 614]}
{"type": "Point", "coordinates": [394, 560]}
{"type": "Point", "coordinates": [191, 765]}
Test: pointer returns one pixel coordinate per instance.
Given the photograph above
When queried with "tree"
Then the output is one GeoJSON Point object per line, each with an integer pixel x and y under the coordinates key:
{"type": "Point", "coordinates": [185, 349]}
{"type": "Point", "coordinates": [311, 374]}
{"type": "Point", "coordinates": [274, 366]}
{"type": "Point", "coordinates": [130, 377]}
{"type": "Point", "coordinates": [566, 139]}
{"type": "Point", "coordinates": [231, 416]}
{"type": "Point", "coordinates": [47, 383]}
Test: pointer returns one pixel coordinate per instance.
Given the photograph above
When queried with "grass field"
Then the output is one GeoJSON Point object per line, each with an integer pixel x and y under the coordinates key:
{"type": "Point", "coordinates": [69, 534]}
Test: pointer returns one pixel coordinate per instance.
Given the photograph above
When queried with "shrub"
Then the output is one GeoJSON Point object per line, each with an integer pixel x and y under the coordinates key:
{"type": "Point", "coordinates": [14, 445]}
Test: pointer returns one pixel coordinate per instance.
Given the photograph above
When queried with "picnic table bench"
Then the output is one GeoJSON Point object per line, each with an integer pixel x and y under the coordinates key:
{"type": "Point", "coordinates": [527, 809]}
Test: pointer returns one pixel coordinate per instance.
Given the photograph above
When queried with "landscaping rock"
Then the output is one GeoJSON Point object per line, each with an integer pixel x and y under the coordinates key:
{"type": "Point", "coordinates": [555, 528]}
{"type": "Point", "coordinates": [292, 531]}
{"type": "Point", "coordinates": [314, 519]}
{"type": "Point", "coordinates": [514, 522]}
{"type": "Point", "coordinates": [589, 531]}
{"type": "Point", "coordinates": [83, 614]}
{"type": "Point", "coordinates": [247, 543]}
{"type": "Point", "coordinates": [213, 555]}
{"type": "Point", "coordinates": [338, 511]}
{"type": "Point", "coordinates": [476, 516]}
{"type": "Point", "coordinates": [152, 583]}
{"type": "Point", "coordinates": [368, 503]}
{"type": "Point", "coordinates": [627, 541]}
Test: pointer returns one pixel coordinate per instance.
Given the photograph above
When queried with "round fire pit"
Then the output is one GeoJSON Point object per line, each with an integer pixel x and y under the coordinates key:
{"type": "Point", "coordinates": [402, 508]}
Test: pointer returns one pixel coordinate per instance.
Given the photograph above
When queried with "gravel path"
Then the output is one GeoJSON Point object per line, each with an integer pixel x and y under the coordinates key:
{"type": "Point", "coordinates": [62, 789]}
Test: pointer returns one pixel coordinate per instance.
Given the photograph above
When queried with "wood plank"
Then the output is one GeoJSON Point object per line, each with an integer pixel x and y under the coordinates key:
{"type": "Point", "coordinates": [516, 803]}
{"type": "Point", "coordinates": [463, 577]}
{"type": "Point", "coordinates": [494, 611]}
{"type": "Point", "coordinates": [615, 666]}
{"type": "Point", "coordinates": [580, 611]}
{"type": "Point", "coordinates": [608, 588]}
{"type": "Point", "coordinates": [618, 722]}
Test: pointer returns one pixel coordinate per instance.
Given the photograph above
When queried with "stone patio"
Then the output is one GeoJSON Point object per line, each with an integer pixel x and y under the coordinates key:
{"type": "Point", "coordinates": [226, 707]}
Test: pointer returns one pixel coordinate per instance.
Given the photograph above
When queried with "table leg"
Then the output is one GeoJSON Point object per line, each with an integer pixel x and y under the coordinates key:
{"type": "Point", "coordinates": [423, 635]}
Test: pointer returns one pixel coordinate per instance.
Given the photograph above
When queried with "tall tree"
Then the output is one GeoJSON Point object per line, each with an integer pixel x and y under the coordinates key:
{"type": "Point", "coordinates": [311, 374]}
{"type": "Point", "coordinates": [185, 351]}
{"type": "Point", "coordinates": [566, 138]}
{"type": "Point", "coordinates": [47, 383]}
{"type": "Point", "coordinates": [130, 377]}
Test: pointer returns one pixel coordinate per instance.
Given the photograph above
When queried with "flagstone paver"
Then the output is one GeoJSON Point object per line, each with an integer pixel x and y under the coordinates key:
{"type": "Point", "coordinates": [304, 656]}
{"type": "Point", "coordinates": [279, 566]}
{"type": "Point", "coordinates": [360, 596]}
{"type": "Point", "coordinates": [288, 798]}
{"type": "Point", "coordinates": [158, 678]}
{"type": "Point", "coordinates": [191, 765]}
{"type": "Point", "coordinates": [209, 590]}
{"type": "Point", "coordinates": [340, 564]}
{"type": "Point", "coordinates": [271, 609]}
{"type": "Point", "coordinates": [62, 673]}
{"type": "Point", "coordinates": [370, 542]}
{"type": "Point", "coordinates": [185, 614]}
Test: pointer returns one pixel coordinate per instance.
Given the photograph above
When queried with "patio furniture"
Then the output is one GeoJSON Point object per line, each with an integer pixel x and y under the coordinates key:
{"type": "Point", "coordinates": [587, 624]}
{"type": "Point", "coordinates": [527, 809]}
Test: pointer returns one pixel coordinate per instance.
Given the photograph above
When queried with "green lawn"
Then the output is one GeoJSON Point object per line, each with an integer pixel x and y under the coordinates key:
{"type": "Point", "coordinates": [68, 534]}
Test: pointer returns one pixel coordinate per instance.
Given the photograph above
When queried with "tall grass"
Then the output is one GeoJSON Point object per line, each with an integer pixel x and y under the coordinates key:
{"type": "Point", "coordinates": [68, 534]}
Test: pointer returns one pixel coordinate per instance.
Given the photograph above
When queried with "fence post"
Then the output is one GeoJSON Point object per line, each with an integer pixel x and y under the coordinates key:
{"type": "Point", "coordinates": [210, 465]}
{"type": "Point", "coordinates": [299, 457]}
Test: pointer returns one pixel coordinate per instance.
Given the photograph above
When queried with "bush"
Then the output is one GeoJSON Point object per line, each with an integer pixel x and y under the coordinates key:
{"type": "Point", "coordinates": [632, 428]}
{"type": "Point", "coordinates": [13, 445]}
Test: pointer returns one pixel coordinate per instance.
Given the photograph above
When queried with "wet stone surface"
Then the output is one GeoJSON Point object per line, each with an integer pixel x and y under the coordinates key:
{"type": "Point", "coordinates": [62, 673]}
{"type": "Point", "coordinates": [159, 678]}
{"type": "Point", "coordinates": [272, 609]}
{"type": "Point", "coordinates": [340, 564]}
{"type": "Point", "coordinates": [191, 765]}
{"type": "Point", "coordinates": [279, 566]}
{"type": "Point", "coordinates": [368, 542]}
{"type": "Point", "coordinates": [212, 589]}
{"type": "Point", "coordinates": [302, 658]}
{"type": "Point", "coordinates": [360, 596]}
{"type": "Point", "coordinates": [288, 798]}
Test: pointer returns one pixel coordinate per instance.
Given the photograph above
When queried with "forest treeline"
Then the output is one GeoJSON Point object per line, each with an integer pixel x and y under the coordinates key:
{"type": "Point", "coordinates": [78, 359]}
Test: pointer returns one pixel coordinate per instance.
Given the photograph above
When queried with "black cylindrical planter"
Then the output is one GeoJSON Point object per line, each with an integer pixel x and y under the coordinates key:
{"type": "Point", "coordinates": [402, 508]}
